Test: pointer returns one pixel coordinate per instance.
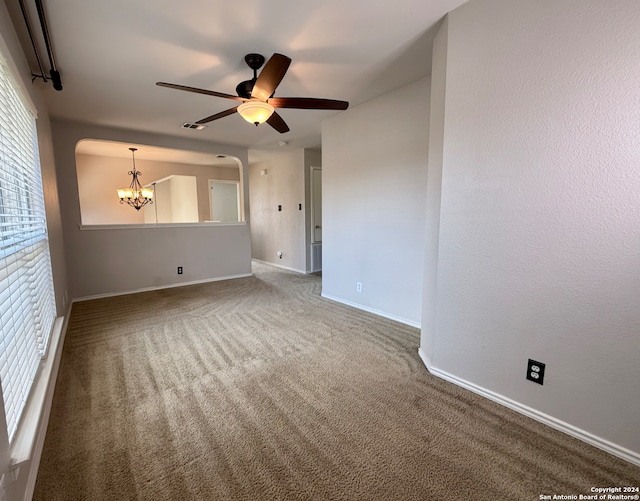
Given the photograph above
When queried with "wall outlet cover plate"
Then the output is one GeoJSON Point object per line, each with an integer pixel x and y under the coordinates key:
{"type": "Point", "coordinates": [535, 371]}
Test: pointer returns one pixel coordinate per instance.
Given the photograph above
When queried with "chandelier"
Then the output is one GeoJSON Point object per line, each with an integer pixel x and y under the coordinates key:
{"type": "Point", "coordinates": [135, 195]}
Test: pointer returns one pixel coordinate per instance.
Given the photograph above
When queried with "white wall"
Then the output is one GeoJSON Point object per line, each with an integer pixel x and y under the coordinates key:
{"type": "Point", "coordinates": [374, 176]}
{"type": "Point", "coordinates": [539, 230]}
{"type": "Point", "coordinates": [162, 211]}
{"type": "Point", "coordinates": [434, 184]}
{"type": "Point", "coordinates": [179, 200]}
{"type": "Point", "coordinates": [273, 230]}
{"type": "Point", "coordinates": [99, 262]}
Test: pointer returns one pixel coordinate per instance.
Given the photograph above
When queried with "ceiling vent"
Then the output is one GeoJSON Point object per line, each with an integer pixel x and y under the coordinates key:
{"type": "Point", "coordinates": [193, 126]}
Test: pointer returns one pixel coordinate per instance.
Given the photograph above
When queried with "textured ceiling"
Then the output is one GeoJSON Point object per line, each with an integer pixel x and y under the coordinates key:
{"type": "Point", "coordinates": [110, 54]}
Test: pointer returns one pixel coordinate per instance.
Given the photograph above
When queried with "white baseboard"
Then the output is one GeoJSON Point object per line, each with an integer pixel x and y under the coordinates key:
{"type": "Point", "coordinates": [380, 313]}
{"type": "Point", "coordinates": [170, 286]}
{"type": "Point", "coordinates": [569, 429]}
{"type": "Point", "coordinates": [269, 263]}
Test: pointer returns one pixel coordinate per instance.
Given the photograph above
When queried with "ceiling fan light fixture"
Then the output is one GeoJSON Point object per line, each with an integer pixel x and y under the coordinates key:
{"type": "Point", "coordinates": [256, 95]}
{"type": "Point", "coordinates": [255, 112]}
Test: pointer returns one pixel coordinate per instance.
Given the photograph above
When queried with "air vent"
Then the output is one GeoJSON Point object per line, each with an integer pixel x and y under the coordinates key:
{"type": "Point", "coordinates": [193, 126]}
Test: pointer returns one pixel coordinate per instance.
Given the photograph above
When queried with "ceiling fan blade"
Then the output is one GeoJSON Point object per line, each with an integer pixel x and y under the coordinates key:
{"type": "Point", "coordinates": [198, 91]}
{"type": "Point", "coordinates": [308, 103]}
{"type": "Point", "coordinates": [222, 114]}
{"type": "Point", "coordinates": [270, 76]}
{"type": "Point", "coordinates": [278, 123]}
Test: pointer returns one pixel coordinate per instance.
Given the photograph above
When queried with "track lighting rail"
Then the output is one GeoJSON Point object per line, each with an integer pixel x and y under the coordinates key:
{"type": "Point", "coordinates": [54, 74]}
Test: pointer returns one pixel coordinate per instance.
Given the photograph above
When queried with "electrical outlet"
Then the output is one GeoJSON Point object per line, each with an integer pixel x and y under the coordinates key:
{"type": "Point", "coordinates": [535, 371]}
{"type": "Point", "coordinates": [358, 286]}
{"type": "Point", "coordinates": [179, 270]}
{"type": "Point", "coordinates": [280, 254]}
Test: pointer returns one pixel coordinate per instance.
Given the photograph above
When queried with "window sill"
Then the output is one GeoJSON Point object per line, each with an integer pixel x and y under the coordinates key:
{"type": "Point", "coordinates": [152, 226]}
{"type": "Point", "coordinates": [38, 407]}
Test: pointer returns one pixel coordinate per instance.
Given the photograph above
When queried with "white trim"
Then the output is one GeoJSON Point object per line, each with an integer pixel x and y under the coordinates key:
{"type": "Point", "coordinates": [314, 253]}
{"type": "Point", "coordinates": [46, 412]}
{"type": "Point", "coordinates": [380, 313]}
{"type": "Point", "coordinates": [160, 287]}
{"type": "Point", "coordinates": [154, 226]}
{"type": "Point", "coordinates": [304, 272]}
{"type": "Point", "coordinates": [38, 406]}
{"type": "Point", "coordinates": [425, 360]}
{"type": "Point", "coordinates": [312, 204]}
{"type": "Point", "coordinates": [569, 429]}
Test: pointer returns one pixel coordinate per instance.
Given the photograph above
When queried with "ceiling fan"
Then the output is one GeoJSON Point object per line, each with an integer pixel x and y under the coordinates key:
{"type": "Point", "coordinates": [258, 104]}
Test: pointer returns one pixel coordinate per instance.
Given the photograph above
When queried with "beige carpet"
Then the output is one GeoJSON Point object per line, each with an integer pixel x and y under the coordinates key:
{"type": "Point", "coordinates": [259, 389]}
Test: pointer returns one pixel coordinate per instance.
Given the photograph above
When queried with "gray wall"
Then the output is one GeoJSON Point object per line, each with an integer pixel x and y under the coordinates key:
{"type": "Point", "coordinates": [99, 262]}
{"type": "Point", "coordinates": [287, 184]}
{"type": "Point", "coordinates": [374, 179]}
{"type": "Point", "coordinates": [538, 237]}
{"type": "Point", "coordinates": [273, 230]}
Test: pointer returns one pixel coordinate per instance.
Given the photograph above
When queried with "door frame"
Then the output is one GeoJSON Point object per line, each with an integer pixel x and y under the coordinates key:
{"type": "Point", "coordinates": [210, 184]}
{"type": "Point", "coordinates": [311, 186]}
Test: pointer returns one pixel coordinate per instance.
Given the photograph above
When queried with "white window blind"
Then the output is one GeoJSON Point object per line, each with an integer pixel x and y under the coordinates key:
{"type": "Point", "coordinates": [27, 303]}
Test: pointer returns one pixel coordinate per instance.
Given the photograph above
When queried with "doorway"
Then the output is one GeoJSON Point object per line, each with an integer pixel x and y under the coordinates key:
{"type": "Point", "coordinates": [316, 219]}
{"type": "Point", "coordinates": [224, 198]}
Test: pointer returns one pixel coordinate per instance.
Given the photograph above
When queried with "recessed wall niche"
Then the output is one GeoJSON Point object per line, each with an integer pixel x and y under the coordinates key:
{"type": "Point", "coordinates": [184, 176]}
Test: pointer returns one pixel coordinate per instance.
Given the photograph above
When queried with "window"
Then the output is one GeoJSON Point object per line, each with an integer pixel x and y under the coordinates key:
{"type": "Point", "coordinates": [27, 303]}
